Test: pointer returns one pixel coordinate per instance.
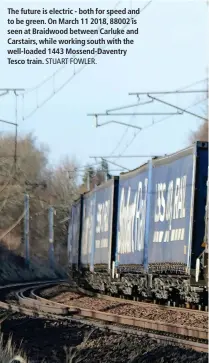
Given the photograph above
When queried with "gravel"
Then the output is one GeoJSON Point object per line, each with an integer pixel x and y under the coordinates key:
{"type": "Point", "coordinates": [81, 301]}
{"type": "Point", "coordinates": [53, 340]}
{"type": "Point", "coordinates": [171, 316]}
{"type": "Point", "coordinates": [157, 313]}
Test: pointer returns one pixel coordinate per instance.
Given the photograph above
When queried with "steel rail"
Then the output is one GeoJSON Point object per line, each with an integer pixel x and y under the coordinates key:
{"type": "Point", "coordinates": [137, 303]}
{"type": "Point", "coordinates": [28, 283]}
{"type": "Point", "coordinates": [97, 318]}
{"type": "Point", "coordinates": [14, 308]}
{"type": "Point", "coordinates": [47, 307]}
{"type": "Point", "coordinates": [199, 347]}
{"type": "Point", "coordinates": [198, 333]}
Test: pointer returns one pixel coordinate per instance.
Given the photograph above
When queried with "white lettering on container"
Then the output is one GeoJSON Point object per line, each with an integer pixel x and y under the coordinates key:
{"type": "Point", "coordinates": [103, 211]}
{"type": "Point", "coordinates": [87, 230]}
{"type": "Point", "coordinates": [170, 209]}
{"type": "Point", "coordinates": [102, 224]}
{"type": "Point", "coordinates": [132, 218]}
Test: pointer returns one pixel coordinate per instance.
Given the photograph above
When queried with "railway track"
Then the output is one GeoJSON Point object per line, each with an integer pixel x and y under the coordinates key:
{"type": "Point", "coordinates": [158, 313]}
{"type": "Point", "coordinates": [31, 303]}
{"type": "Point", "coordinates": [140, 303]}
{"type": "Point", "coordinates": [14, 307]}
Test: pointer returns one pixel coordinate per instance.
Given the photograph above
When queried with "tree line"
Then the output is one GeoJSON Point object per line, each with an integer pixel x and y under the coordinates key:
{"type": "Point", "coordinates": [47, 185]}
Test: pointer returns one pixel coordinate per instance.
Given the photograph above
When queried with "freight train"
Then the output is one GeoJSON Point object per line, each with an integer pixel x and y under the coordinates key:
{"type": "Point", "coordinates": [142, 235]}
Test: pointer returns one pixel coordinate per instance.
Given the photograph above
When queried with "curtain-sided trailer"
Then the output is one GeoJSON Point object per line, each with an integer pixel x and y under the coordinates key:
{"type": "Point", "coordinates": [98, 227]}
{"type": "Point", "coordinates": [160, 229]}
{"type": "Point", "coordinates": [161, 208]}
{"type": "Point", "coordinates": [145, 231]}
{"type": "Point", "coordinates": [97, 237]}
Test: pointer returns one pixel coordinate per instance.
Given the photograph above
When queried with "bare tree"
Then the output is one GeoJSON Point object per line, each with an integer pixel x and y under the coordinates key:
{"type": "Point", "coordinates": [97, 176]}
{"type": "Point", "coordinates": [201, 134]}
{"type": "Point", "coordinates": [45, 185]}
{"type": "Point", "coordinates": [15, 180]}
{"type": "Point", "coordinates": [62, 183]}
{"type": "Point", "coordinates": [62, 191]}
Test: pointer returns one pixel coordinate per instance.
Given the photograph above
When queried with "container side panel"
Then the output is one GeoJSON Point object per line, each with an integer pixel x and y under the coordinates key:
{"type": "Point", "coordinates": [87, 229]}
{"type": "Point", "coordinates": [171, 202]}
{"type": "Point", "coordinates": [131, 218]}
{"type": "Point", "coordinates": [114, 220]}
{"type": "Point", "coordinates": [74, 233]}
{"type": "Point", "coordinates": [103, 225]}
{"type": "Point", "coordinates": [200, 203]}
{"type": "Point", "coordinates": [206, 218]}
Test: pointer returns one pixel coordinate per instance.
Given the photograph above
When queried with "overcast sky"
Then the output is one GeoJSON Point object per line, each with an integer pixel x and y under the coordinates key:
{"type": "Point", "coordinates": [170, 53]}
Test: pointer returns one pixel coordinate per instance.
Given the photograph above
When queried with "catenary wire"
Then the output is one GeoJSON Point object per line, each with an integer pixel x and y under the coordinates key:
{"type": "Point", "coordinates": [164, 118]}
{"type": "Point", "coordinates": [146, 127]}
{"type": "Point", "coordinates": [154, 123]}
{"type": "Point", "coordinates": [122, 137]}
{"type": "Point", "coordinates": [136, 133]}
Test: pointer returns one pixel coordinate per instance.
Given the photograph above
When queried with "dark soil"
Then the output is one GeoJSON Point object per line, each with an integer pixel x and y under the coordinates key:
{"type": "Point", "coordinates": [13, 268]}
{"type": "Point", "coordinates": [52, 292]}
{"type": "Point", "coordinates": [44, 339]}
